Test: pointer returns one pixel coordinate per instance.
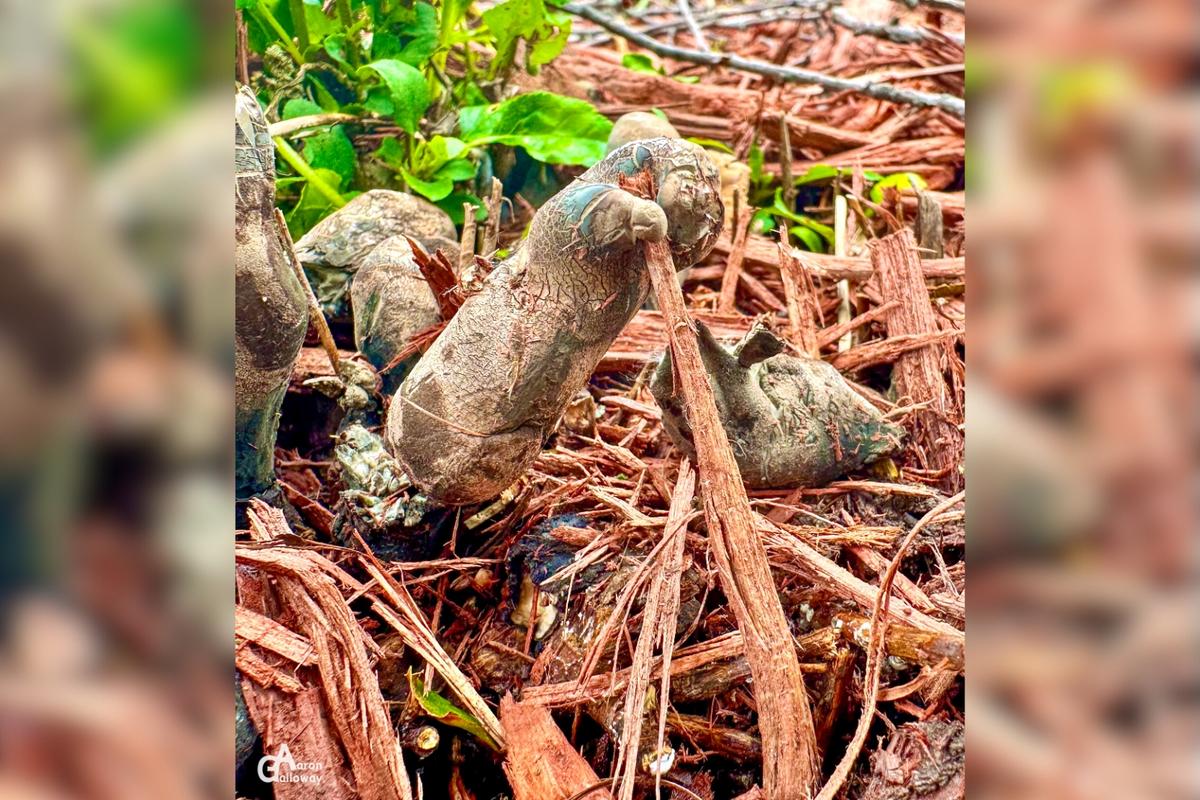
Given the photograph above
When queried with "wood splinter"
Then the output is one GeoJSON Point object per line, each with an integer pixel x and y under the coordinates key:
{"type": "Point", "coordinates": [790, 765]}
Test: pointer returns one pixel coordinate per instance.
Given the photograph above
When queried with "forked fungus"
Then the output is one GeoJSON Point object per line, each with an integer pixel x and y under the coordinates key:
{"type": "Point", "coordinates": [475, 411]}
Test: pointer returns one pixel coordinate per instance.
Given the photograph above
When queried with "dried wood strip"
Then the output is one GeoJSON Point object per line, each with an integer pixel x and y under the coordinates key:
{"type": "Point", "coordinates": [872, 560]}
{"type": "Point", "coordinates": [920, 374]}
{"type": "Point", "coordinates": [658, 627]}
{"type": "Point", "coordinates": [762, 253]}
{"type": "Point", "coordinates": [802, 303]}
{"type": "Point", "coordinates": [301, 723]}
{"type": "Point", "coordinates": [885, 351]}
{"type": "Point", "coordinates": [270, 635]}
{"type": "Point", "coordinates": [790, 766]}
{"type": "Point", "coordinates": [540, 762]}
{"type": "Point", "coordinates": [953, 204]}
{"type": "Point", "coordinates": [834, 332]}
{"type": "Point", "coordinates": [348, 683]}
{"type": "Point", "coordinates": [808, 133]}
{"type": "Point", "coordinates": [797, 556]}
{"type": "Point", "coordinates": [252, 666]}
{"type": "Point", "coordinates": [733, 267]}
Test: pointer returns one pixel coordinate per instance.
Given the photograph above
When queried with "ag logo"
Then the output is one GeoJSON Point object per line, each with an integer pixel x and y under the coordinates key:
{"type": "Point", "coordinates": [270, 768]}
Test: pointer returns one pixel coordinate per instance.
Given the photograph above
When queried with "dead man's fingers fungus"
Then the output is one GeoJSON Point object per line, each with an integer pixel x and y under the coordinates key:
{"type": "Point", "coordinates": [475, 411]}
{"type": "Point", "coordinates": [271, 313]}
{"type": "Point", "coordinates": [792, 421]}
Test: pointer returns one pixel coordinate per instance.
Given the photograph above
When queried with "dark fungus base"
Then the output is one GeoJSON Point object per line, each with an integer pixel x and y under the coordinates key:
{"type": "Point", "coordinates": [271, 313]}
{"type": "Point", "coordinates": [474, 412]}
{"type": "Point", "coordinates": [791, 421]}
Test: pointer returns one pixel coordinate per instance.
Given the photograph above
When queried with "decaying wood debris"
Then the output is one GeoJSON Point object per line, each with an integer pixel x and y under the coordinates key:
{"type": "Point", "coordinates": [618, 592]}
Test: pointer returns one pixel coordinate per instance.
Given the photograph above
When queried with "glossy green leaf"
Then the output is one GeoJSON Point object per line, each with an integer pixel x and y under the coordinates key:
{"type": "Point", "coordinates": [312, 206]}
{"type": "Point", "coordinates": [640, 62]}
{"type": "Point", "coordinates": [810, 239]}
{"type": "Point", "coordinates": [407, 88]}
{"type": "Point", "coordinates": [300, 107]}
{"type": "Point", "coordinates": [711, 144]}
{"type": "Point", "coordinates": [446, 712]}
{"type": "Point", "coordinates": [900, 181]}
{"type": "Point", "coordinates": [819, 172]}
{"type": "Point", "coordinates": [409, 35]}
{"type": "Point", "coordinates": [433, 189]}
{"type": "Point", "coordinates": [452, 204]}
{"type": "Point", "coordinates": [332, 150]}
{"type": "Point", "coordinates": [513, 20]}
{"type": "Point", "coordinates": [763, 221]}
{"type": "Point", "coordinates": [551, 128]}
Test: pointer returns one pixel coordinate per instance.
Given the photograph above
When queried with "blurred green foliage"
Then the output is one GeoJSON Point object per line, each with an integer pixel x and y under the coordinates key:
{"type": "Point", "coordinates": [131, 65]}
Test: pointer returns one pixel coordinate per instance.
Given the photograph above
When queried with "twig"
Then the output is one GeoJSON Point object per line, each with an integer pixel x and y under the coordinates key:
{"type": "Point", "coordinates": [466, 245]}
{"type": "Point", "coordinates": [491, 234]}
{"type": "Point", "coordinates": [929, 226]}
{"type": "Point", "coordinates": [900, 34]}
{"type": "Point", "coordinates": [835, 332]}
{"type": "Point", "coordinates": [287, 127]}
{"type": "Point", "coordinates": [685, 11]}
{"type": "Point", "coordinates": [880, 91]}
{"type": "Point", "coordinates": [875, 654]}
{"type": "Point", "coordinates": [243, 61]}
{"type": "Point", "coordinates": [790, 766]}
{"type": "Point", "coordinates": [800, 295]}
{"type": "Point", "coordinates": [841, 248]}
{"type": "Point", "coordinates": [315, 315]}
{"type": "Point", "coordinates": [733, 267]}
{"type": "Point", "coordinates": [785, 166]}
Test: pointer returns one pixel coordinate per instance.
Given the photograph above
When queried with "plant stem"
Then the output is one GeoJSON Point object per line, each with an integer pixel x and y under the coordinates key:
{"type": "Point", "coordinates": [304, 170]}
{"type": "Point", "coordinates": [296, 7]}
{"type": "Point", "coordinates": [262, 11]}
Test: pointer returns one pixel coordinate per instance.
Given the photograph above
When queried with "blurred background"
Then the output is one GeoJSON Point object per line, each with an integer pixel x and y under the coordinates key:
{"type": "Point", "coordinates": [1082, 615]}
{"type": "Point", "coordinates": [116, 579]}
{"type": "Point", "coordinates": [116, 358]}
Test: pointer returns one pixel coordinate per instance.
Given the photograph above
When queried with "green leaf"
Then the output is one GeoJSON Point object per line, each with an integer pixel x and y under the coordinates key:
{"type": "Point", "coordinates": [300, 107]}
{"type": "Point", "coordinates": [820, 172]}
{"type": "Point", "coordinates": [312, 206]}
{"type": "Point", "coordinates": [407, 87]}
{"type": "Point", "coordinates": [658, 112]}
{"type": "Point", "coordinates": [460, 169]}
{"type": "Point", "coordinates": [332, 150]}
{"type": "Point", "coordinates": [434, 189]}
{"type": "Point", "coordinates": [446, 712]}
{"type": "Point", "coordinates": [780, 209]}
{"type": "Point", "coordinates": [900, 181]}
{"type": "Point", "coordinates": [391, 153]}
{"type": "Point", "coordinates": [809, 238]}
{"type": "Point", "coordinates": [550, 41]}
{"type": "Point", "coordinates": [510, 21]}
{"type": "Point", "coordinates": [409, 35]}
{"type": "Point", "coordinates": [640, 62]}
{"type": "Point", "coordinates": [687, 78]}
{"type": "Point", "coordinates": [763, 221]}
{"type": "Point", "coordinates": [711, 144]}
{"type": "Point", "coordinates": [755, 161]}
{"type": "Point", "coordinates": [452, 204]}
{"type": "Point", "coordinates": [546, 32]}
{"type": "Point", "coordinates": [551, 128]}
{"type": "Point", "coordinates": [335, 46]}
